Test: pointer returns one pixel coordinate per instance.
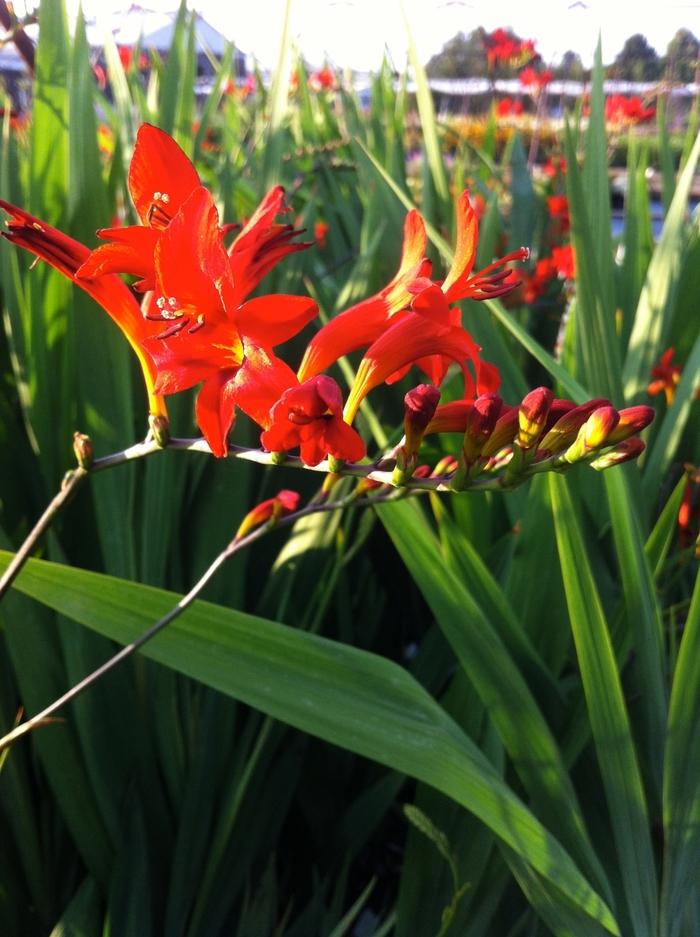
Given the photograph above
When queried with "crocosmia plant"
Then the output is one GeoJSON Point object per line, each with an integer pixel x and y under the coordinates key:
{"type": "Point", "coordinates": [367, 601]}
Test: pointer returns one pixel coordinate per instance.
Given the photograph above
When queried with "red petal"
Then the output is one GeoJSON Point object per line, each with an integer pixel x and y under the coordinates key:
{"type": "Point", "coordinates": [465, 248]}
{"type": "Point", "coordinates": [159, 166]}
{"type": "Point", "coordinates": [190, 259]}
{"type": "Point", "coordinates": [414, 337]}
{"type": "Point", "coordinates": [130, 251]}
{"type": "Point", "coordinates": [215, 410]}
{"type": "Point", "coordinates": [271, 320]}
{"type": "Point", "coordinates": [342, 441]}
{"type": "Point", "coordinates": [280, 437]}
{"type": "Point", "coordinates": [355, 328]}
{"type": "Point", "coordinates": [260, 382]}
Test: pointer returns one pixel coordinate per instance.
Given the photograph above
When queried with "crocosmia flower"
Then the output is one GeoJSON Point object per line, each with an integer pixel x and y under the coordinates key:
{"type": "Point", "coordinates": [310, 415]}
{"type": "Point", "coordinates": [398, 327]}
{"type": "Point", "coordinates": [209, 335]}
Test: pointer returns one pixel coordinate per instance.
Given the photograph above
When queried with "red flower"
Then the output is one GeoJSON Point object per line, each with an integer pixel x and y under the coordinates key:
{"type": "Point", "coordinates": [558, 208]}
{"type": "Point", "coordinates": [214, 338]}
{"type": "Point", "coordinates": [411, 319]}
{"type": "Point", "coordinates": [361, 324]}
{"type": "Point", "coordinates": [564, 260]}
{"type": "Point", "coordinates": [309, 415]}
{"type": "Point", "coordinates": [322, 80]}
{"type": "Point", "coordinates": [67, 255]}
{"type": "Point", "coordinates": [666, 376]}
{"type": "Point", "coordinates": [507, 107]}
{"type": "Point", "coordinates": [320, 231]}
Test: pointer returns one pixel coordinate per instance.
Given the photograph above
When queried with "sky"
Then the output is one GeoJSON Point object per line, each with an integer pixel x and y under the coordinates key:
{"type": "Point", "coordinates": [355, 33]}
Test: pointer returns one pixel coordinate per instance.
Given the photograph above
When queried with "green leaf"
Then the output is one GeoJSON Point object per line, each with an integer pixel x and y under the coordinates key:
{"type": "Point", "coordinates": [643, 621]}
{"type": "Point", "coordinates": [341, 694]}
{"type": "Point", "coordinates": [426, 110]}
{"type": "Point", "coordinates": [597, 341]}
{"type": "Point", "coordinates": [609, 721]}
{"type": "Point", "coordinates": [681, 771]}
{"type": "Point", "coordinates": [657, 302]}
{"type": "Point", "coordinates": [482, 652]}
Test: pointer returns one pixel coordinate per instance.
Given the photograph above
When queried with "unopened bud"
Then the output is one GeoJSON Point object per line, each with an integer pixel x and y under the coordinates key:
{"type": "Point", "coordinates": [624, 451]}
{"type": "Point", "coordinates": [481, 422]}
{"type": "Point", "coordinates": [160, 429]}
{"type": "Point", "coordinates": [532, 416]}
{"type": "Point", "coordinates": [286, 502]}
{"type": "Point", "coordinates": [503, 433]}
{"type": "Point", "coordinates": [632, 421]}
{"type": "Point", "coordinates": [593, 434]}
{"type": "Point", "coordinates": [565, 429]}
{"type": "Point", "coordinates": [82, 447]}
{"type": "Point", "coordinates": [364, 486]}
{"type": "Point", "coordinates": [446, 466]}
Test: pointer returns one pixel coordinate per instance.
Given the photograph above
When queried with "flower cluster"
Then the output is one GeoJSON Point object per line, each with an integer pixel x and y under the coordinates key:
{"type": "Point", "coordinates": [197, 325]}
{"type": "Point", "coordinates": [502, 48]}
{"type": "Point", "coordinates": [625, 111]}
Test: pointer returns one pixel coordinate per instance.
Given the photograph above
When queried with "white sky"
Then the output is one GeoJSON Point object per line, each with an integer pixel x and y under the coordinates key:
{"type": "Point", "coordinates": [355, 33]}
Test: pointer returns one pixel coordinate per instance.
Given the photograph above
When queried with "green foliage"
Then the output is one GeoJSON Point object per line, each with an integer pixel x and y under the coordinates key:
{"type": "Point", "coordinates": [473, 714]}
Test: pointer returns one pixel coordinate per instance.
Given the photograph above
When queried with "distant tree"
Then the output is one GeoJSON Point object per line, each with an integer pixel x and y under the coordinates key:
{"type": "Point", "coordinates": [682, 56]}
{"type": "Point", "coordinates": [637, 61]}
{"type": "Point", "coordinates": [463, 56]}
{"type": "Point", "coordinates": [570, 68]}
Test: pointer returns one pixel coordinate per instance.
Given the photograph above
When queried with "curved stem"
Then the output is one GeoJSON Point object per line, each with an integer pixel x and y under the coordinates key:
{"type": "Point", "coordinates": [126, 651]}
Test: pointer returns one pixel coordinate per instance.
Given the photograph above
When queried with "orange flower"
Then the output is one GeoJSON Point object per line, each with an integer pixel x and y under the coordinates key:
{"type": "Point", "coordinates": [666, 377]}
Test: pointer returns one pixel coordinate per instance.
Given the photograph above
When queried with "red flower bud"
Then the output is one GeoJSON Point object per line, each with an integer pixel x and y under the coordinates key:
{"type": "Point", "coordinates": [566, 428]}
{"type": "Point", "coordinates": [632, 421]}
{"type": "Point", "coordinates": [286, 502]}
{"type": "Point", "coordinates": [481, 422]}
{"type": "Point", "coordinates": [623, 452]}
{"type": "Point", "coordinates": [533, 414]}
{"type": "Point", "coordinates": [420, 405]}
{"type": "Point", "coordinates": [599, 426]}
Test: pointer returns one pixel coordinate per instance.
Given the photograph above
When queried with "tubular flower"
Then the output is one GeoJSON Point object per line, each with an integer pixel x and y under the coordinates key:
{"type": "Point", "coordinates": [666, 377]}
{"type": "Point", "coordinates": [67, 255]}
{"type": "Point", "coordinates": [212, 337]}
{"type": "Point", "coordinates": [358, 326]}
{"type": "Point", "coordinates": [429, 333]}
{"type": "Point", "coordinates": [309, 415]}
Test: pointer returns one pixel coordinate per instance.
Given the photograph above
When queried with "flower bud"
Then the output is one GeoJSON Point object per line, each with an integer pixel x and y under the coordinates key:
{"type": "Point", "coordinates": [446, 466]}
{"type": "Point", "coordinates": [82, 447]}
{"type": "Point", "coordinates": [632, 421]}
{"type": "Point", "coordinates": [481, 422]}
{"type": "Point", "coordinates": [566, 428]}
{"type": "Point", "coordinates": [286, 502]}
{"type": "Point", "coordinates": [503, 433]}
{"type": "Point", "coordinates": [532, 416]}
{"type": "Point", "coordinates": [419, 409]}
{"type": "Point", "coordinates": [364, 486]}
{"type": "Point", "coordinates": [593, 434]}
{"type": "Point", "coordinates": [623, 452]}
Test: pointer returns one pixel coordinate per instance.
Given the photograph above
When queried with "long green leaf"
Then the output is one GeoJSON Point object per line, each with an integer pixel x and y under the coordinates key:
{"type": "Point", "coordinates": [343, 695]}
{"type": "Point", "coordinates": [656, 304]}
{"type": "Point", "coordinates": [608, 716]}
{"type": "Point", "coordinates": [681, 772]}
{"type": "Point", "coordinates": [498, 681]}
